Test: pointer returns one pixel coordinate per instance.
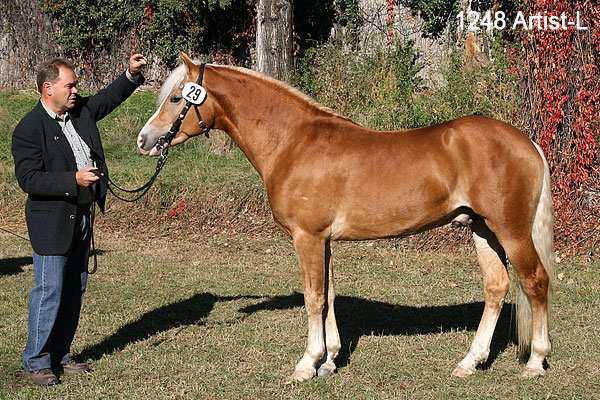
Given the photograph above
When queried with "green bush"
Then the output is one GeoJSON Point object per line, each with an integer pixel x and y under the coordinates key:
{"type": "Point", "coordinates": [372, 89]}
{"type": "Point", "coordinates": [383, 91]}
{"type": "Point", "coordinates": [162, 27]}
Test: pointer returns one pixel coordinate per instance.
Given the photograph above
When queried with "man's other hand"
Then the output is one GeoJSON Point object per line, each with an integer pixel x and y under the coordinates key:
{"type": "Point", "coordinates": [136, 63]}
{"type": "Point", "coordinates": [86, 177]}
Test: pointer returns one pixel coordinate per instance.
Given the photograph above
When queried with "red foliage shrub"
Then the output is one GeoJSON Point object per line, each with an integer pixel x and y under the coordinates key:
{"type": "Point", "coordinates": [563, 95]}
{"type": "Point", "coordinates": [390, 19]}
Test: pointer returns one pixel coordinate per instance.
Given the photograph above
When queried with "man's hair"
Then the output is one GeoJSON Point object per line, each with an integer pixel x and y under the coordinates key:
{"type": "Point", "coordinates": [48, 71]}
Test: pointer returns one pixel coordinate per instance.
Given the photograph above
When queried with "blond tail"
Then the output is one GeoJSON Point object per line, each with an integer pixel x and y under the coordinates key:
{"type": "Point", "coordinates": [543, 238]}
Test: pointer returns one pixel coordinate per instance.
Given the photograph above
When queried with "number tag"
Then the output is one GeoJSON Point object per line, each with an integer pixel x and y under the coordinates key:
{"type": "Point", "coordinates": [194, 93]}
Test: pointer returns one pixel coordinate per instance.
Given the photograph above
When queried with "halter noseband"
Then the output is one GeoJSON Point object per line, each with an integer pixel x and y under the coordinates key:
{"type": "Point", "coordinates": [165, 140]}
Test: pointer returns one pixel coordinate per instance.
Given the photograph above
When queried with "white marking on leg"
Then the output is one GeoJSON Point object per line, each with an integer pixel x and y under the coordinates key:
{"type": "Point", "coordinates": [332, 336]}
{"type": "Point", "coordinates": [315, 348]}
{"type": "Point", "coordinates": [495, 286]}
{"type": "Point", "coordinates": [540, 345]}
{"type": "Point", "coordinates": [310, 251]}
{"type": "Point", "coordinates": [480, 348]}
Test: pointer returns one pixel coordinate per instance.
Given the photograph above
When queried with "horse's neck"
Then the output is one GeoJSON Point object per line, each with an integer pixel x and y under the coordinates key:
{"type": "Point", "coordinates": [259, 115]}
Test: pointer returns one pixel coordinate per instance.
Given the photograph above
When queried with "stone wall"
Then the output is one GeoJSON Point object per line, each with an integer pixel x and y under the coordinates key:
{"type": "Point", "coordinates": [408, 26]}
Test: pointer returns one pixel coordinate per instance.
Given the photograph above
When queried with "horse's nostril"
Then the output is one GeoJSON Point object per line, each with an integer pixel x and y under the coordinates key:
{"type": "Point", "coordinates": [140, 142]}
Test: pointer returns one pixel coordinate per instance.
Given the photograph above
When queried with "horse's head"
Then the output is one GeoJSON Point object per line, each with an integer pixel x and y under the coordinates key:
{"type": "Point", "coordinates": [170, 104]}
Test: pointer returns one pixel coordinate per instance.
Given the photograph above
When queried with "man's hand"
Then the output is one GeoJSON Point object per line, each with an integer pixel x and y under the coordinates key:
{"type": "Point", "coordinates": [86, 177]}
{"type": "Point", "coordinates": [136, 63]}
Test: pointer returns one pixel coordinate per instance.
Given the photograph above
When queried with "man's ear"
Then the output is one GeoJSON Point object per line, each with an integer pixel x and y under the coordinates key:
{"type": "Point", "coordinates": [46, 87]}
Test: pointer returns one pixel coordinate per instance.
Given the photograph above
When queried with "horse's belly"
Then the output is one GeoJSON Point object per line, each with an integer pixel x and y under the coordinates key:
{"type": "Point", "coordinates": [365, 203]}
{"type": "Point", "coordinates": [355, 225]}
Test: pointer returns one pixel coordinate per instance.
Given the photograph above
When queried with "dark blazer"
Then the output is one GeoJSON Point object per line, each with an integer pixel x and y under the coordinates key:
{"type": "Point", "coordinates": [45, 166]}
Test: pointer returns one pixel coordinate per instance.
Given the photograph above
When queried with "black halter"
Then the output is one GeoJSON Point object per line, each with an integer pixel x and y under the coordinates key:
{"type": "Point", "coordinates": [163, 145]}
{"type": "Point", "coordinates": [166, 139]}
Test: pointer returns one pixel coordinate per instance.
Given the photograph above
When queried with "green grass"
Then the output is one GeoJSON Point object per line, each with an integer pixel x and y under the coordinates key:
{"type": "Point", "coordinates": [221, 317]}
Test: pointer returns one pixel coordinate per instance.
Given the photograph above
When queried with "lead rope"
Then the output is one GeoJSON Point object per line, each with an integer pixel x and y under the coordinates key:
{"type": "Point", "coordinates": [142, 190]}
{"type": "Point", "coordinates": [14, 234]}
{"type": "Point", "coordinates": [164, 145]}
{"type": "Point", "coordinates": [92, 242]}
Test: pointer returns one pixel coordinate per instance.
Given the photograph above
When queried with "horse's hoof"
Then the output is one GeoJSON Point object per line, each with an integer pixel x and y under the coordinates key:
{"type": "Point", "coordinates": [326, 369]}
{"type": "Point", "coordinates": [530, 373]}
{"type": "Point", "coordinates": [460, 372]}
{"type": "Point", "coordinates": [301, 375]}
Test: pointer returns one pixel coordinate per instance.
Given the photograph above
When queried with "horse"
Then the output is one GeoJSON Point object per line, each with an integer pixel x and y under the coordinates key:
{"type": "Point", "coordinates": [328, 178]}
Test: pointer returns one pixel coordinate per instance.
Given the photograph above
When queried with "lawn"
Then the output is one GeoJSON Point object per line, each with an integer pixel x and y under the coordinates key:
{"type": "Point", "coordinates": [221, 317]}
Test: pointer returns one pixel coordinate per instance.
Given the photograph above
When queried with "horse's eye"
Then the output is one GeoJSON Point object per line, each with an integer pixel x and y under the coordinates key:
{"type": "Point", "coordinates": [175, 99]}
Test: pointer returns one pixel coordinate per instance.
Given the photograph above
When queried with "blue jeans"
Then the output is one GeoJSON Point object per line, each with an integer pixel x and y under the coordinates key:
{"type": "Point", "coordinates": [55, 301]}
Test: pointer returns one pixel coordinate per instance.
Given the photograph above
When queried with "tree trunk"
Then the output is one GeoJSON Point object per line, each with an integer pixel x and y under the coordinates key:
{"type": "Point", "coordinates": [26, 39]}
{"type": "Point", "coordinates": [274, 38]}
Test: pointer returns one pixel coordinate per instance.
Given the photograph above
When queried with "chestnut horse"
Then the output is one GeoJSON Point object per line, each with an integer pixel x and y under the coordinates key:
{"type": "Point", "coordinates": [328, 178]}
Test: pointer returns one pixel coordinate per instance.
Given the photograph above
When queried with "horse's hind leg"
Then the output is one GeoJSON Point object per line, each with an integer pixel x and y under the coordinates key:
{"type": "Point", "coordinates": [311, 256]}
{"type": "Point", "coordinates": [332, 337]}
{"type": "Point", "coordinates": [492, 260]}
{"type": "Point", "coordinates": [534, 284]}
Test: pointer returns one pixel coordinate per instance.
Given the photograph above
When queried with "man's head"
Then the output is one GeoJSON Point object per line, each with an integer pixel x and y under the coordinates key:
{"type": "Point", "coordinates": [57, 83]}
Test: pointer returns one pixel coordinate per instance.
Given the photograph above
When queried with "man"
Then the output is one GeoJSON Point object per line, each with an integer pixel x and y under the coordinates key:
{"type": "Point", "coordinates": [58, 160]}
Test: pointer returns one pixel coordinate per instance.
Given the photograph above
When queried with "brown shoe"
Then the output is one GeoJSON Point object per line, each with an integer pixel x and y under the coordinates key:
{"type": "Point", "coordinates": [42, 377]}
{"type": "Point", "coordinates": [73, 367]}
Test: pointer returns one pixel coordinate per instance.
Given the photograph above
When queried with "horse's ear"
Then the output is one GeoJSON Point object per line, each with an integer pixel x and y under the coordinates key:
{"type": "Point", "coordinates": [189, 63]}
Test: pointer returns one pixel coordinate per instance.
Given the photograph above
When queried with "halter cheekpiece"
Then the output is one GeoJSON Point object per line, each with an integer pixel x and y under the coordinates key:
{"type": "Point", "coordinates": [165, 140]}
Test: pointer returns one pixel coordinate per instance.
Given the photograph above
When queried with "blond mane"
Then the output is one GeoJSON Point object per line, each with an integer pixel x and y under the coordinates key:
{"type": "Point", "coordinates": [177, 76]}
{"type": "Point", "coordinates": [284, 87]}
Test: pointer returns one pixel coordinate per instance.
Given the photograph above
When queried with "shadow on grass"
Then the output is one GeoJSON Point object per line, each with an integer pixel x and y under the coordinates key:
{"type": "Point", "coordinates": [13, 266]}
{"type": "Point", "coordinates": [191, 311]}
{"type": "Point", "coordinates": [356, 317]}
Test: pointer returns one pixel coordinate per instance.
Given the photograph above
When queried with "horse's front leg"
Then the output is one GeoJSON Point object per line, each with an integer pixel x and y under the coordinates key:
{"type": "Point", "coordinates": [332, 337]}
{"type": "Point", "coordinates": [311, 256]}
